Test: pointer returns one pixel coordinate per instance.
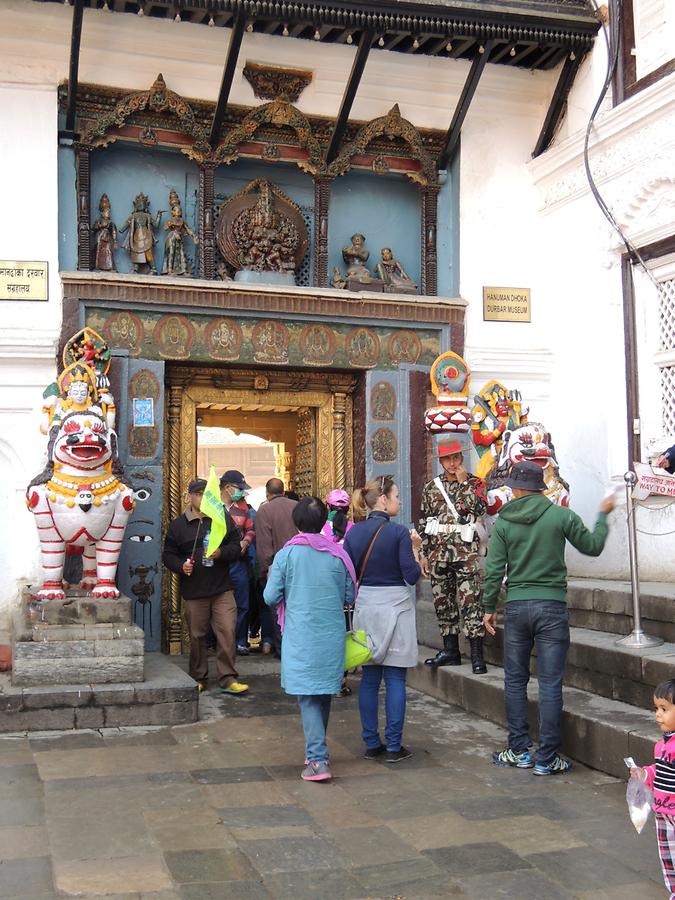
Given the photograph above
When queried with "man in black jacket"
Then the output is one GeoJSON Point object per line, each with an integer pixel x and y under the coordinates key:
{"type": "Point", "coordinates": [206, 588]}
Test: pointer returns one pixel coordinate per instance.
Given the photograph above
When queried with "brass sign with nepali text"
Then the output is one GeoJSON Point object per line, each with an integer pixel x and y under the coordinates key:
{"type": "Point", "coordinates": [504, 304]}
{"type": "Point", "coordinates": [23, 280]}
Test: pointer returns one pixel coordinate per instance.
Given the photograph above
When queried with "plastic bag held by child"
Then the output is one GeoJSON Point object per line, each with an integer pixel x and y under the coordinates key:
{"type": "Point", "coordinates": [639, 799]}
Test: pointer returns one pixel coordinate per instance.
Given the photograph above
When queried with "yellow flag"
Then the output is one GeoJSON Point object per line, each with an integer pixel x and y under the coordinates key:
{"type": "Point", "coordinates": [212, 507]}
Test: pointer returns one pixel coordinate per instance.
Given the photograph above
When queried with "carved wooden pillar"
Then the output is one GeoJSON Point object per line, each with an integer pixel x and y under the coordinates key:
{"type": "Point", "coordinates": [207, 231]}
{"type": "Point", "coordinates": [339, 440]}
{"type": "Point", "coordinates": [83, 176]}
{"type": "Point", "coordinates": [321, 204]}
{"type": "Point", "coordinates": [429, 196]}
{"type": "Point", "coordinates": [175, 629]}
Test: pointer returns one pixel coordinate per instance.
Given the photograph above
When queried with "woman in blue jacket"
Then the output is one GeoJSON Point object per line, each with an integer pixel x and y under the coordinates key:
{"type": "Point", "coordinates": [385, 609]}
{"type": "Point", "coordinates": [313, 578]}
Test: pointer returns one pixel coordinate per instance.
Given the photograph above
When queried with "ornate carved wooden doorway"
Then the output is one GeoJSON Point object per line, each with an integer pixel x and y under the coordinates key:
{"type": "Point", "coordinates": [324, 459]}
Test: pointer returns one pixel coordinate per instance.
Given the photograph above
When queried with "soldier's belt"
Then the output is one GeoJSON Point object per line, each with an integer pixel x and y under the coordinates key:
{"type": "Point", "coordinates": [434, 528]}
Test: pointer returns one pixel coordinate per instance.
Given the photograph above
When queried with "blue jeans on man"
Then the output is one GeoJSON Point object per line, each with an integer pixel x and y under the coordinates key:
{"type": "Point", "coordinates": [240, 582]}
{"type": "Point", "coordinates": [544, 625]}
{"type": "Point", "coordinates": [394, 705]}
{"type": "Point", "coordinates": [315, 710]}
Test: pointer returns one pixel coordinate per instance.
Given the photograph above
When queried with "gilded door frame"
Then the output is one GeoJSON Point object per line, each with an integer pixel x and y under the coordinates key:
{"type": "Point", "coordinates": [327, 393]}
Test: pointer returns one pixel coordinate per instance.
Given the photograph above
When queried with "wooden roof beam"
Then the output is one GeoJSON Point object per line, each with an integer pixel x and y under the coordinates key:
{"type": "Point", "coordinates": [558, 102]}
{"type": "Point", "coordinates": [75, 37]}
{"type": "Point", "coordinates": [228, 76]}
{"type": "Point", "coordinates": [463, 104]}
{"type": "Point", "coordinates": [358, 66]}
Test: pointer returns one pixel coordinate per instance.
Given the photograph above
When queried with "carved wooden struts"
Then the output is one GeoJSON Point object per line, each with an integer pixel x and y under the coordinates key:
{"type": "Point", "coordinates": [428, 229]}
{"type": "Point", "coordinates": [83, 178]}
{"type": "Point", "coordinates": [321, 205]}
{"type": "Point", "coordinates": [207, 236]}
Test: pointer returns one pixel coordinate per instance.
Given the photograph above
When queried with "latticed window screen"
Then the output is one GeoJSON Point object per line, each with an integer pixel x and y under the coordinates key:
{"type": "Point", "coordinates": [667, 342]}
{"type": "Point", "coordinates": [667, 314]}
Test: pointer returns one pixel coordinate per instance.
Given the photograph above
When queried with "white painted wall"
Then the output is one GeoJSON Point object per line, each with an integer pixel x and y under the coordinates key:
{"type": "Point", "coordinates": [28, 330]}
{"type": "Point", "coordinates": [523, 223]}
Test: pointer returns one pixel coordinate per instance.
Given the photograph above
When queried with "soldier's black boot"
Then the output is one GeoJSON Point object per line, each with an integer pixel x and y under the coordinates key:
{"type": "Point", "coordinates": [477, 662]}
{"type": "Point", "coordinates": [449, 655]}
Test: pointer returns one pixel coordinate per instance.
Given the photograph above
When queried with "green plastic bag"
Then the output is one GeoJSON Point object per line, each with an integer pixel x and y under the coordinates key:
{"type": "Point", "coordinates": [357, 651]}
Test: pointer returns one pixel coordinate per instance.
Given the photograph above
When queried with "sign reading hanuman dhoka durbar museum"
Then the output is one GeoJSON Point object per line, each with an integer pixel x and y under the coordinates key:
{"type": "Point", "coordinates": [505, 304]}
{"type": "Point", "coordinates": [23, 280]}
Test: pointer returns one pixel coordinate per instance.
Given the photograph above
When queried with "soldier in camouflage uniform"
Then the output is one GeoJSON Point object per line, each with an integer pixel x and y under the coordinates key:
{"type": "Point", "coordinates": [450, 548]}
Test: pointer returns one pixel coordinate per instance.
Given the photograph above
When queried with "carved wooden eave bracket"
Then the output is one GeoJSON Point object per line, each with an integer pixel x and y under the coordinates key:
{"type": "Point", "coordinates": [281, 114]}
{"type": "Point", "coordinates": [158, 99]}
{"type": "Point", "coordinates": [276, 82]}
{"type": "Point", "coordinates": [393, 127]}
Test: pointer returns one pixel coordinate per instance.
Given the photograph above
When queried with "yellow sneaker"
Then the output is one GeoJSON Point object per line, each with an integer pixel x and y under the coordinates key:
{"type": "Point", "coordinates": [201, 686]}
{"type": "Point", "coordinates": [234, 688]}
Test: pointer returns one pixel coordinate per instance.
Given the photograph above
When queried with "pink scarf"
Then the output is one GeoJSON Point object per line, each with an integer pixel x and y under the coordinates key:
{"type": "Point", "coordinates": [324, 545]}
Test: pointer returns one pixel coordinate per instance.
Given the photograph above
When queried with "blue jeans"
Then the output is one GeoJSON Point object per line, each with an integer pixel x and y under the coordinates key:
{"type": "Point", "coordinates": [240, 582]}
{"type": "Point", "coordinates": [394, 705]}
{"type": "Point", "coordinates": [315, 710]}
{"type": "Point", "coordinates": [543, 624]}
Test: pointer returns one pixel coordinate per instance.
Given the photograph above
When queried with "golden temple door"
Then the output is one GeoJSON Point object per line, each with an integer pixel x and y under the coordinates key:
{"type": "Point", "coordinates": [305, 457]}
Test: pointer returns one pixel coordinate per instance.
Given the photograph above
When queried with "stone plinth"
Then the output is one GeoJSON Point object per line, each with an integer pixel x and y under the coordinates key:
{"type": "Point", "coordinates": [168, 696]}
{"type": "Point", "coordinates": [81, 663]}
{"type": "Point", "coordinates": [79, 640]}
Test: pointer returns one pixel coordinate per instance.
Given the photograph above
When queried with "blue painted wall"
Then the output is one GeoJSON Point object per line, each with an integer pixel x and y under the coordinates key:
{"type": "Point", "coordinates": [447, 240]}
{"type": "Point", "coordinates": [67, 210]}
{"type": "Point", "coordinates": [295, 183]}
{"type": "Point", "coordinates": [386, 209]}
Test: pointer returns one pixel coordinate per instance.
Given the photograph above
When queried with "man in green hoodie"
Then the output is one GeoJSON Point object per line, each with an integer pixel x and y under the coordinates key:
{"type": "Point", "coordinates": [528, 542]}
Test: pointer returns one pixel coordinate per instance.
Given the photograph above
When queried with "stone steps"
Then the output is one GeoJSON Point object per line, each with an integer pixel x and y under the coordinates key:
{"type": "Point", "coordinates": [608, 689]}
{"type": "Point", "coordinates": [594, 662]}
{"type": "Point", "coordinates": [595, 730]}
{"type": "Point", "coordinates": [167, 696]}
{"type": "Point", "coordinates": [608, 606]}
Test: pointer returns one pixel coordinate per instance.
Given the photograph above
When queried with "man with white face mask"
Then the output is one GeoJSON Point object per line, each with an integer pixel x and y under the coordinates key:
{"type": "Point", "coordinates": [233, 490]}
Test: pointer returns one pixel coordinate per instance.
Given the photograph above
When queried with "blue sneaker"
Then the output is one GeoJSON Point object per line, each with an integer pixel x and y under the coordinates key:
{"type": "Point", "coordinates": [557, 766]}
{"type": "Point", "coordinates": [509, 757]}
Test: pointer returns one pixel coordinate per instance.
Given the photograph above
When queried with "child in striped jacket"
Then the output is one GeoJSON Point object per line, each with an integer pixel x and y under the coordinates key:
{"type": "Point", "coordinates": [660, 778]}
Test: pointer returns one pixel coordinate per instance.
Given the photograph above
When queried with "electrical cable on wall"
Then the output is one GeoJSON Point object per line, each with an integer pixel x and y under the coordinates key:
{"type": "Point", "coordinates": [612, 39]}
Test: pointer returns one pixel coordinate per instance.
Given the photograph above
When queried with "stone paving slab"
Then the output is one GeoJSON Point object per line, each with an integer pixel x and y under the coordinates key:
{"type": "Point", "coordinates": [216, 809]}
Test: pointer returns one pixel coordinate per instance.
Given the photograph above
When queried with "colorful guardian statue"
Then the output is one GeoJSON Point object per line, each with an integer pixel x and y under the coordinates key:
{"type": "Point", "coordinates": [450, 385]}
{"type": "Point", "coordinates": [80, 500]}
{"type": "Point", "coordinates": [529, 443]}
{"type": "Point", "coordinates": [495, 411]}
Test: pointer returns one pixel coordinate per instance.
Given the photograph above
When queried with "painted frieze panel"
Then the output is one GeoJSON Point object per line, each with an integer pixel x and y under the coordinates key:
{"type": "Point", "coordinates": [203, 338]}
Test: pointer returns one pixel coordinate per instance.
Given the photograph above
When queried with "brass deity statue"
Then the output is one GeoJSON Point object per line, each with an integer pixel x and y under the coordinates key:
{"type": "Point", "coordinates": [268, 241]}
{"type": "Point", "coordinates": [392, 273]}
{"type": "Point", "coordinates": [105, 234]}
{"type": "Point", "coordinates": [140, 241]}
{"type": "Point", "coordinates": [356, 256]}
{"type": "Point", "coordinates": [175, 258]}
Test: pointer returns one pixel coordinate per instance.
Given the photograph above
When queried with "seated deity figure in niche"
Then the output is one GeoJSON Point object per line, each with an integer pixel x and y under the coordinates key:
{"type": "Point", "coordinates": [392, 272]}
{"type": "Point", "coordinates": [105, 234]}
{"type": "Point", "coordinates": [356, 256]}
{"type": "Point", "coordinates": [140, 241]}
{"type": "Point", "coordinates": [175, 259]}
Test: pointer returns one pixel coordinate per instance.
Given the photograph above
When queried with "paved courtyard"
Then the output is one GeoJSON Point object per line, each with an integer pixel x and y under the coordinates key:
{"type": "Point", "coordinates": [217, 810]}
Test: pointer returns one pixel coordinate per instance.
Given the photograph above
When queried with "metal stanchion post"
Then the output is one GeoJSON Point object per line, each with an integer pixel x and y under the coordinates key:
{"type": "Point", "coordinates": [637, 639]}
